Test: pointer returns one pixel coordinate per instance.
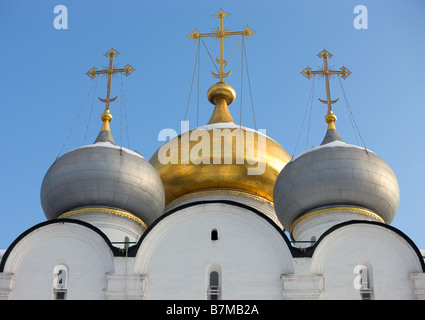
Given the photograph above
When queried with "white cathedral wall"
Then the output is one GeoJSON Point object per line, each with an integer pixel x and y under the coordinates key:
{"type": "Point", "coordinates": [388, 257]}
{"type": "Point", "coordinates": [33, 260]}
{"type": "Point", "coordinates": [177, 255]}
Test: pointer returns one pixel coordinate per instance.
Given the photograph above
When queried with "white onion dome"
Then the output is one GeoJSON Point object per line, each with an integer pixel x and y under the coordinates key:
{"type": "Point", "coordinates": [335, 174]}
{"type": "Point", "coordinates": [103, 175]}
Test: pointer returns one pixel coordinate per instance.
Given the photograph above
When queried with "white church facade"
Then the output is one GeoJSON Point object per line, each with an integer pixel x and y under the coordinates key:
{"type": "Point", "coordinates": [202, 228]}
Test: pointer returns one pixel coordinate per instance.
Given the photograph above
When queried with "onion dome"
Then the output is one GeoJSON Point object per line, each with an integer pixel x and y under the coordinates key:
{"type": "Point", "coordinates": [220, 156]}
{"type": "Point", "coordinates": [103, 175]}
{"type": "Point", "coordinates": [336, 174]}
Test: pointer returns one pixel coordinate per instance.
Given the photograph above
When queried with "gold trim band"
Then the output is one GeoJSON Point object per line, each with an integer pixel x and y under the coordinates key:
{"type": "Point", "coordinates": [116, 212]}
{"type": "Point", "coordinates": [346, 209]}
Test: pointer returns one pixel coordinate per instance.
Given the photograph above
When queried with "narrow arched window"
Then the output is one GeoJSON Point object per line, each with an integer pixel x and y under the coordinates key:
{"type": "Point", "coordinates": [214, 235]}
{"type": "Point", "coordinates": [60, 282]}
{"type": "Point", "coordinates": [214, 286]}
{"type": "Point", "coordinates": [365, 291]}
{"type": "Point", "coordinates": [363, 281]}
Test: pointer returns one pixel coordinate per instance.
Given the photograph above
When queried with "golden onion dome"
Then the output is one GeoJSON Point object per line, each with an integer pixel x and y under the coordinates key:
{"type": "Point", "coordinates": [220, 156]}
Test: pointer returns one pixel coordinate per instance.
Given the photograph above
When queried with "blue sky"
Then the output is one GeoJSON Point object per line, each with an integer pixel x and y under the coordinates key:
{"type": "Point", "coordinates": [44, 86]}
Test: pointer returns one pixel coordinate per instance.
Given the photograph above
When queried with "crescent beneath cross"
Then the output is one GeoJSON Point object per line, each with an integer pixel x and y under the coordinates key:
{"type": "Point", "coordinates": [326, 102]}
{"type": "Point", "coordinates": [110, 100]}
{"type": "Point", "coordinates": [224, 75]}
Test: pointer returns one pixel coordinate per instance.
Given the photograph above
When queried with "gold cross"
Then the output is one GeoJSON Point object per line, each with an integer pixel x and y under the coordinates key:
{"type": "Point", "coordinates": [327, 72]}
{"type": "Point", "coordinates": [221, 34]}
{"type": "Point", "coordinates": [109, 71]}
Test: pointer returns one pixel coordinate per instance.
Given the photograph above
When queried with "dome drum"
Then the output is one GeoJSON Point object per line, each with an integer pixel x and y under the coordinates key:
{"type": "Point", "coordinates": [313, 224]}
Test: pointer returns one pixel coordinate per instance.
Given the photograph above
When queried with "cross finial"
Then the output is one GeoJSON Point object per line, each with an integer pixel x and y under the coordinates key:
{"type": "Point", "coordinates": [221, 34]}
{"type": "Point", "coordinates": [327, 72]}
{"type": "Point", "coordinates": [109, 71]}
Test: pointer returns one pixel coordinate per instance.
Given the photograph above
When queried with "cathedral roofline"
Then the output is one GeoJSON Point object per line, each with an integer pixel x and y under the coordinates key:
{"type": "Point", "coordinates": [295, 252]}
{"type": "Point", "coordinates": [132, 251]}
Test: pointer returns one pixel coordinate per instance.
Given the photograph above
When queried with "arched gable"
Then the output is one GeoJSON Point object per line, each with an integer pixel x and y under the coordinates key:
{"type": "Point", "coordinates": [387, 254]}
{"type": "Point", "coordinates": [249, 250]}
{"type": "Point", "coordinates": [34, 256]}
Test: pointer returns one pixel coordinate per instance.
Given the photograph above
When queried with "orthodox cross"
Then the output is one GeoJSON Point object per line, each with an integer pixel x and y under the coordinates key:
{"type": "Point", "coordinates": [326, 72]}
{"type": "Point", "coordinates": [221, 34]}
{"type": "Point", "coordinates": [111, 70]}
